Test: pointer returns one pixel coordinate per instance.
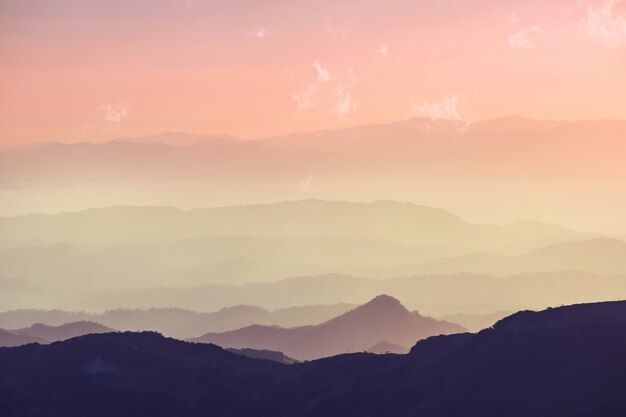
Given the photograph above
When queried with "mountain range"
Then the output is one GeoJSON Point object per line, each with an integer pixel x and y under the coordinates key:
{"type": "Point", "coordinates": [509, 147]}
{"type": "Point", "coordinates": [176, 322]}
{"type": "Point", "coordinates": [567, 361]}
{"type": "Point", "coordinates": [381, 319]}
{"type": "Point", "coordinates": [43, 333]}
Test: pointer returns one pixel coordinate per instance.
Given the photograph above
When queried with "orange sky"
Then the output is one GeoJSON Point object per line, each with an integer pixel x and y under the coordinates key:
{"type": "Point", "coordinates": [91, 70]}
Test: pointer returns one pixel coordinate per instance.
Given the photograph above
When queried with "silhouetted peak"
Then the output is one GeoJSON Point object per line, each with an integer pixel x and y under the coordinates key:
{"type": "Point", "coordinates": [383, 301]}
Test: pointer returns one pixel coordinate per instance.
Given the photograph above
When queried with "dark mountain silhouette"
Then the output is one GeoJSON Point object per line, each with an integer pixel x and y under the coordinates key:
{"type": "Point", "coordinates": [566, 362]}
{"type": "Point", "coordinates": [383, 318]}
{"type": "Point", "coordinates": [63, 331]}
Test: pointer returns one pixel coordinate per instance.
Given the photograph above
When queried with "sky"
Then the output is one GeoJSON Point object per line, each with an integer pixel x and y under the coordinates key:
{"type": "Point", "coordinates": [82, 70]}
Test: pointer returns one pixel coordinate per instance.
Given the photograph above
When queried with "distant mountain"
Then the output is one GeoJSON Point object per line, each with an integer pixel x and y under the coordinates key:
{"type": "Point", "coordinates": [434, 294]}
{"type": "Point", "coordinates": [384, 347]}
{"type": "Point", "coordinates": [603, 256]}
{"type": "Point", "coordinates": [269, 355]}
{"type": "Point", "coordinates": [173, 322]}
{"type": "Point", "coordinates": [475, 322]}
{"type": "Point", "coordinates": [566, 362]}
{"type": "Point", "coordinates": [64, 331]}
{"type": "Point", "coordinates": [9, 338]}
{"type": "Point", "coordinates": [417, 148]}
{"type": "Point", "coordinates": [383, 318]}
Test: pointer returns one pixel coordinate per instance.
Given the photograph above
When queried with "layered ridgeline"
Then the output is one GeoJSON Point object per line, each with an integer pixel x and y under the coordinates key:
{"type": "Point", "coordinates": [270, 255]}
{"type": "Point", "coordinates": [44, 333]}
{"type": "Point", "coordinates": [510, 147]}
{"type": "Point", "coordinates": [124, 247]}
{"type": "Point", "coordinates": [380, 325]}
{"type": "Point", "coordinates": [383, 319]}
{"type": "Point", "coordinates": [173, 322]}
{"type": "Point", "coordinates": [435, 295]}
{"type": "Point", "coordinates": [567, 361]}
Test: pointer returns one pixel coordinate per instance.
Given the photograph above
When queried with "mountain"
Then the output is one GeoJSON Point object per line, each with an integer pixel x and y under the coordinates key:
{"type": "Point", "coordinates": [173, 322]}
{"type": "Point", "coordinates": [604, 256]}
{"type": "Point", "coordinates": [63, 331]}
{"type": "Point", "coordinates": [531, 364]}
{"type": "Point", "coordinates": [382, 318]}
{"type": "Point", "coordinates": [9, 338]}
{"type": "Point", "coordinates": [384, 347]}
{"type": "Point", "coordinates": [269, 355]}
{"type": "Point", "coordinates": [475, 322]}
{"type": "Point", "coordinates": [416, 148]}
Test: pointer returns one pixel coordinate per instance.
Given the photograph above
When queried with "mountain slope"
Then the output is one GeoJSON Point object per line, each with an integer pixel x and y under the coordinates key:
{"type": "Point", "coordinates": [567, 362]}
{"type": "Point", "coordinates": [383, 318]}
{"type": "Point", "coordinates": [63, 331]}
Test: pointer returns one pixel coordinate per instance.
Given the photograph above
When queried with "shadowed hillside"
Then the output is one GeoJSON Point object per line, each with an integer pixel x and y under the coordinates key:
{"type": "Point", "coordinates": [517, 369]}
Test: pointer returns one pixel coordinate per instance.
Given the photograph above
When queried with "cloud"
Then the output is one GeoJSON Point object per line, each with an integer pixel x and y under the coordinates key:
{"type": "Point", "coordinates": [321, 74]}
{"type": "Point", "coordinates": [513, 19]}
{"type": "Point", "coordinates": [344, 105]}
{"type": "Point", "coordinates": [339, 30]}
{"type": "Point", "coordinates": [260, 33]}
{"type": "Point", "coordinates": [603, 22]}
{"type": "Point", "coordinates": [383, 51]}
{"type": "Point", "coordinates": [522, 38]}
{"type": "Point", "coordinates": [446, 109]}
{"type": "Point", "coordinates": [114, 114]}
{"type": "Point", "coordinates": [307, 184]}
{"type": "Point", "coordinates": [327, 92]}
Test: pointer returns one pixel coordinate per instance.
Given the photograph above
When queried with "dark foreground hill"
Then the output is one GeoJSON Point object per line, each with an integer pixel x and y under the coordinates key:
{"type": "Point", "coordinates": [566, 362]}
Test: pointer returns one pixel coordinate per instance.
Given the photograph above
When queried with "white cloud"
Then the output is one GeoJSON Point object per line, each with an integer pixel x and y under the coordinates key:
{"type": "Point", "coordinates": [444, 109]}
{"type": "Point", "coordinates": [321, 74]}
{"type": "Point", "coordinates": [327, 92]}
{"type": "Point", "coordinates": [383, 51]}
{"type": "Point", "coordinates": [522, 39]}
{"type": "Point", "coordinates": [344, 105]}
{"type": "Point", "coordinates": [605, 23]}
{"type": "Point", "coordinates": [114, 114]}
{"type": "Point", "coordinates": [307, 184]}
{"type": "Point", "coordinates": [260, 33]}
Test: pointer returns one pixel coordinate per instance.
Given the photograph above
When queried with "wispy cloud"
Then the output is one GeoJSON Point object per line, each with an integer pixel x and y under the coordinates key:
{"type": "Point", "coordinates": [605, 23]}
{"type": "Point", "coordinates": [446, 109]}
{"type": "Point", "coordinates": [341, 30]}
{"type": "Point", "coordinates": [522, 39]}
{"type": "Point", "coordinates": [114, 114]}
{"type": "Point", "coordinates": [260, 33]}
{"type": "Point", "coordinates": [383, 51]}
{"type": "Point", "coordinates": [327, 92]}
{"type": "Point", "coordinates": [306, 185]}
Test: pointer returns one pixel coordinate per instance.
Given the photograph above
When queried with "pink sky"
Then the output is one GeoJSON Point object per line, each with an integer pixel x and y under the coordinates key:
{"type": "Point", "coordinates": [91, 70]}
